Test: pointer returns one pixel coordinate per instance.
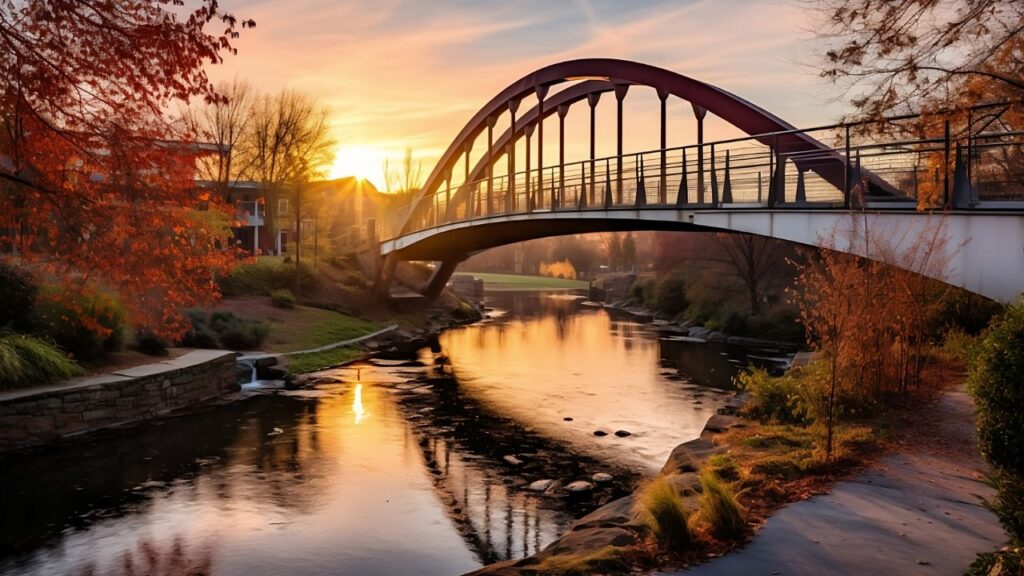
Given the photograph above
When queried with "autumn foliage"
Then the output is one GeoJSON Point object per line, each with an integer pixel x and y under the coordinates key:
{"type": "Point", "coordinates": [96, 181]}
{"type": "Point", "coordinates": [871, 317]}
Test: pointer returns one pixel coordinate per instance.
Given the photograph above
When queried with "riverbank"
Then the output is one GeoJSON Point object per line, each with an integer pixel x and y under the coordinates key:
{"type": "Point", "coordinates": [679, 326]}
{"type": "Point", "coordinates": [494, 282]}
{"type": "Point", "coordinates": [42, 415]}
{"type": "Point", "coordinates": [901, 497]}
{"type": "Point", "coordinates": [916, 510]}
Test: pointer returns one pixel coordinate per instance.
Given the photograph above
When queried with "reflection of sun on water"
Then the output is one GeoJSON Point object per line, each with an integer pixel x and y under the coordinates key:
{"type": "Point", "coordinates": [357, 404]}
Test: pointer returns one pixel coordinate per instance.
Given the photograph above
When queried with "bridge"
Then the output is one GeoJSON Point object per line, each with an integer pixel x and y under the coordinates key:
{"type": "Point", "coordinates": [778, 181]}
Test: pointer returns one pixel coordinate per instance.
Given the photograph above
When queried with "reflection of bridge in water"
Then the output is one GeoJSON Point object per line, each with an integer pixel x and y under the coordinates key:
{"type": "Point", "coordinates": [778, 181]}
{"type": "Point", "coordinates": [464, 445]}
{"type": "Point", "coordinates": [496, 521]}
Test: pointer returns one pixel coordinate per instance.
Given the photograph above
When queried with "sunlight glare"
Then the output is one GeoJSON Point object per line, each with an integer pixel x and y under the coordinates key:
{"type": "Point", "coordinates": [363, 162]}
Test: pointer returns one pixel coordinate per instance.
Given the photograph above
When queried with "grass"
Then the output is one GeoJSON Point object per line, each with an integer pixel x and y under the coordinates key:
{"type": "Point", "coordinates": [26, 361]}
{"type": "Point", "coordinates": [604, 560]}
{"type": "Point", "coordinates": [668, 516]}
{"type": "Point", "coordinates": [516, 282]}
{"type": "Point", "coordinates": [263, 275]}
{"type": "Point", "coordinates": [719, 511]}
{"type": "Point", "coordinates": [782, 463]}
{"type": "Point", "coordinates": [314, 361]}
{"type": "Point", "coordinates": [315, 327]}
{"type": "Point", "coordinates": [301, 327]}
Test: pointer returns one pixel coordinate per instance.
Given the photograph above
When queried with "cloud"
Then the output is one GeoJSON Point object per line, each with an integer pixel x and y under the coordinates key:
{"type": "Point", "coordinates": [400, 73]}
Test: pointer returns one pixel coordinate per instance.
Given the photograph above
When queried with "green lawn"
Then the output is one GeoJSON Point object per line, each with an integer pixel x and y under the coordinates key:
{"type": "Point", "coordinates": [512, 282]}
{"type": "Point", "coordinates": [309, 328]}
{"type": "Point", "coordinates": [303, 363]}
{"type": "Point", "coordinates": [298, 328]}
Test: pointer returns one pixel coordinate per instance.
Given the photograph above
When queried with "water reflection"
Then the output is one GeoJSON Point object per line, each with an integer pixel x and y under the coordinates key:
{"type": "Point", "coordinates": [276, 485]}
{"type": "Point", "coordinates": [376, 470]}
{"type": "Point", "coordinates": [357, 404]}
{"type": "Point", "coordinates": [571, 370]}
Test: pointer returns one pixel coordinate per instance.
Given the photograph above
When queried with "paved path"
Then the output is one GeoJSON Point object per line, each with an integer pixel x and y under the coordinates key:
{"type": "Point", "coordinates": [914, 512]}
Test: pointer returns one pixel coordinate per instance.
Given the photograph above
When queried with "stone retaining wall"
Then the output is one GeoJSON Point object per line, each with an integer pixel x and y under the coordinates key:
{"type": "Point", "coordinates": [40, 415]}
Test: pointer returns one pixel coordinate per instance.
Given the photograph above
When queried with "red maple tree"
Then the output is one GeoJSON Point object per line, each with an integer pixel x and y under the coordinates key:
{"type": "Point", "coordinates": [96, 178]}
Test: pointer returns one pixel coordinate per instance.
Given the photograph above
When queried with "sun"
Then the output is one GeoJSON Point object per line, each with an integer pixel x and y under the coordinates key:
{"type": "Point", "coordinates": [363, 162]}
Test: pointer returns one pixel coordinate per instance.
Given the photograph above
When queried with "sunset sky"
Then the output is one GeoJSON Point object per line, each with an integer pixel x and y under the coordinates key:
{"type": "Point", "coordinates": [407, 73]}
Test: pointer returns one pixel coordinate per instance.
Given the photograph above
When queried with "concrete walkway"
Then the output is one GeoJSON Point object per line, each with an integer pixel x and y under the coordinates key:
{"type": "Point", "coordinates": [914, 512]}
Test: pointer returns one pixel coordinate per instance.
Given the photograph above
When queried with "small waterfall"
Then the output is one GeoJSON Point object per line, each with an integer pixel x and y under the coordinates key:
{"type": "Point", "coordinates": [249, 363]}
{"type": "Point", "coordinates": [250, 368]}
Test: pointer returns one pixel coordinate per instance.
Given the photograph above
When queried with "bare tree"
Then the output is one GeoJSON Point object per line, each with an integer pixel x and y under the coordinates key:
{"type": "Point", "coordinates": [896, 55]}
{"type": "Point", "coordinates": [224, 123]}
{"type": "Point", "coordinates": [288, 144]}
{"type": "Point", "coordinates": [406, 177]}
{"type": "Point", "coordinates": [754, 259]}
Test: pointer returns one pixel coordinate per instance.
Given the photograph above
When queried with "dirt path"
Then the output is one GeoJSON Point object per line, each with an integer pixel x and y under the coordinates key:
{"type": "Point", "coordinates": [914, 512]}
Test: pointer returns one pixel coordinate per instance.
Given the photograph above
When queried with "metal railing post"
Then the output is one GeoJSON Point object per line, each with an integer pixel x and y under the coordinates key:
{"type": "Point", "coordinates": [846, 171]}
{"type": "Point", "coordinates": [945, 171]}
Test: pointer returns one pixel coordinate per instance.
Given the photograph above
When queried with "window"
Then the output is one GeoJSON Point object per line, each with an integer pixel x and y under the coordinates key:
{"type": "Point", "coordinates": [282, 206]}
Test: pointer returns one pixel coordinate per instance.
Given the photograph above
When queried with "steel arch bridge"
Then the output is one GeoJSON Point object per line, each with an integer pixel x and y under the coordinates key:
{"type": "Point", "coordinates": [778, 181]}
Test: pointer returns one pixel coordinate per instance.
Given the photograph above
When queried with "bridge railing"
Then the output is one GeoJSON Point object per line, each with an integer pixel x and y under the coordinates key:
{"type": "Point", "coordinates": [779, 170]}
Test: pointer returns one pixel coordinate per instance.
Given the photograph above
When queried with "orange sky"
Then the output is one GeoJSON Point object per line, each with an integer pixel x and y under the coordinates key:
{"type": "Point", "coordinates": [404, 73]}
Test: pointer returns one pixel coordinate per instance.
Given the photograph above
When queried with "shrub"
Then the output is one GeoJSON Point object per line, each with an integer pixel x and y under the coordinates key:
{"type": "Point", "coordinates": [776, 398]}
{"type": "Point", "coordinates": [237, 333]}
{"type": "Point", "coordinates": [996, 382]}
{"type": "Point", "coordinates": [354, 280]}
{"type": "Point", "coordinates": [17, 299]}
{"type": "Point", "coordinates": [728, 320]}
{"type": "Point", "coordinates": [670, 294]}
{"type": "Point", "coordinates": [282, 298]}
{"type": "Point", "coordinates": [960, 346]}
{"type": "Point", "coordinates": [719, 509]}
{"type": "Point", "coordinates": [262, 277]}
{"type": "Point", "coordinates": [1008, 505]}
{"type": "Point", "coordinates": [642, 291]}
{"type": "Point", "coordinates": [28, 361]}
{"type": "Point", "coordinates": [224, 330]}
{"type": "Point", "coordinates": [149, 343]}
{"type": "Point", "coordinates": [87, 325]}
{"type": "Point", "coordinates": [668, 516]}
{"type": "Point", "coordinates": [1001, 563]}
{"type": "Point", "coordinates": [199, 334]}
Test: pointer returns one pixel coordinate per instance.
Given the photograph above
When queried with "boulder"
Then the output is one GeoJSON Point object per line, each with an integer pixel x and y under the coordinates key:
{"type": "Point", "coordinates": [540, 485]}
{"type": "Point", "coordinates": [579, 487]}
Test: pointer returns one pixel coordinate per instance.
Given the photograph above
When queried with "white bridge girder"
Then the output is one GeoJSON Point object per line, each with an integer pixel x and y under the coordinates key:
{"type": "Point", "coordinates": [984, 251]}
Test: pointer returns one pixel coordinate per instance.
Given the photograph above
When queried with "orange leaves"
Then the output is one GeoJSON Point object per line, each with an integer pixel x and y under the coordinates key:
{"type": "Point", "coordinates": [96, 184]}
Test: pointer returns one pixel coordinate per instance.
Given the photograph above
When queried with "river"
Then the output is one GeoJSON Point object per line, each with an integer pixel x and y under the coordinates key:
{"type": "Point", "coordinates": [384, 469]}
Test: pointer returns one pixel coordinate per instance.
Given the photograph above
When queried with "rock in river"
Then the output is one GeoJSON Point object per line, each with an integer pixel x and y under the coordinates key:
{"type": "Point", "coordinates": [602, 477]}
{"type": "Point", "coordinates": [579, 487]}
{"type": "Point", "coordinates": [512, 460]}
{"type": "Point", "coordinates": [540, 485]}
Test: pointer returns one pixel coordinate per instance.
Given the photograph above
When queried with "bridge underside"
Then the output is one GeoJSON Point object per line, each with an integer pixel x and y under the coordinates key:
{"type": "Point", "coordinates": [978, 252]}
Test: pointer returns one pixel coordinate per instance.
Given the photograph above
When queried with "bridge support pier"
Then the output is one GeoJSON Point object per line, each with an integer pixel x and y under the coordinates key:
{"type": "Point", "coordinates": [433, 287]}
{"type": "Point", "coordinates": [385, 276]}
{"type": "Point", "coordinates": [439, 279]}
